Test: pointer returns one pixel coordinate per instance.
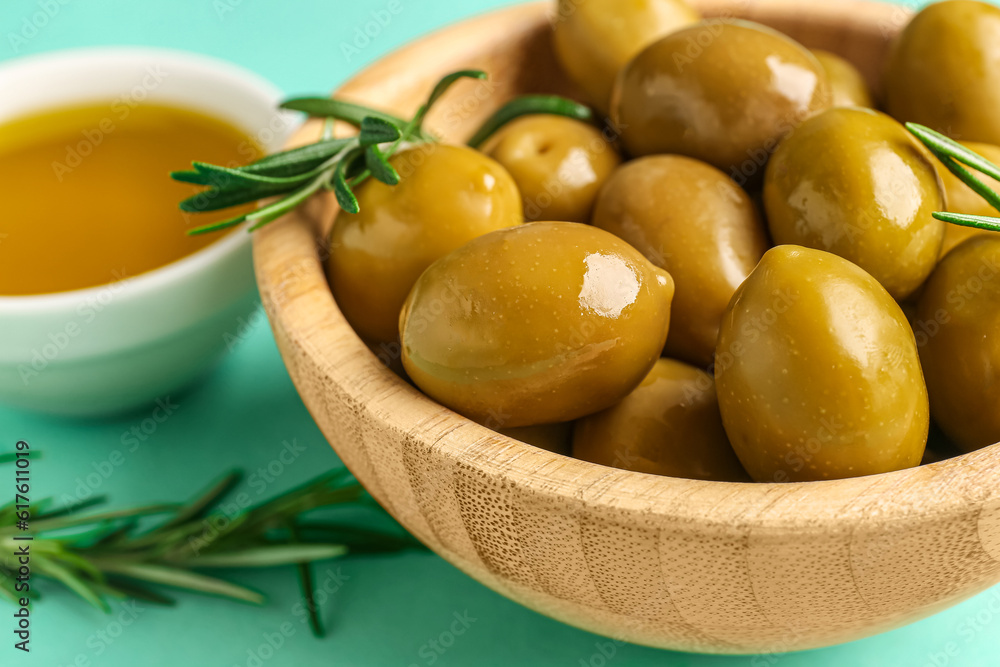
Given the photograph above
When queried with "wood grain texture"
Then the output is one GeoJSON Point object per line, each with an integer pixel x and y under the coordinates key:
{"type": "Point", "coordinates": [680, 564]}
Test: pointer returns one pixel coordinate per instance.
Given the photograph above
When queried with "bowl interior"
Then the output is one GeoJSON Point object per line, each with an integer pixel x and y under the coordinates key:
{"type": "Point", "coordinates": [524, 63]}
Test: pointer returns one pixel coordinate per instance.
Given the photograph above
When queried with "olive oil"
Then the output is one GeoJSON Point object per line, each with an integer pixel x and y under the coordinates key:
{"type": "Point", "coordinates": [87, 195]}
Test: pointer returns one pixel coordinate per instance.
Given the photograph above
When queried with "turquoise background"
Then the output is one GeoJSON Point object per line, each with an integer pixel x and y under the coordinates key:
{"type": "Point", "coordinates": [386, 609]}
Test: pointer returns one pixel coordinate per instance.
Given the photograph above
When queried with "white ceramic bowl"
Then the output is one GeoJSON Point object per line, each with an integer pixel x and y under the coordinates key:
{"type": "Point", "coordinates": [115, 347]}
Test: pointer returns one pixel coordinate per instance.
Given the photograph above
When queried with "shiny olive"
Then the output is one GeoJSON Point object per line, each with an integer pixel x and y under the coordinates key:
{"type": "Point", "coordinates": [555, 438]}
{"type": "Point", "coordinates": [722, 91]}
{"type": "Point", "coordinates": [558, 163]}
{"type": "Point", "coordinates": [817, 372]}
{"type": "Point", "coordinates": [854, 182]}
{"type": "Point", "coordinates": [594, 39]}
{"type": "Point", "coordinates": [669, 425]}
{"type": "Point", "coordinates": [944, 71]}
{"type": "Point", "coordinates": [448, 195]}
{"type": "Point", "coordinates": [691, 219]}
{"type": "Point", "coordinates": [962, 199]}
{"type": "Point", "coordinates": [956, 326]}
{"type": "Point", "coordinates": [848, 86]}
{"type": "Point", "coordinates": [541, 323]}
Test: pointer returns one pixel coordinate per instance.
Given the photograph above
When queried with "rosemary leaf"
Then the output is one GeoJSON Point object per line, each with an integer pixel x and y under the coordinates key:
{"type": "Point", "coordinates": [72, 508]}
{"type": "Point", "coordinates": [967, 177]}
{"type": "Point", "coordinates": [117, 535]}
{"type": "Point", "coordinates": [377, 131]}
{"type": "Point", "coordinates": [298, 160]}
{"type": "Point", "coordinates": [306, 583]}
{"type": "Point", "coordinates": [950, 153]}
{"type": "Point", "coordinates": [977, 221]}
{"type": "Point", "coordinates": [264, 215]}
{"type": "Point", "coordinates": [379, 166]}
{"type": "Point", "coordinates": [325, 107]}
{"type": "Point", "coordinates": [270, 556]}
{"type": "Point", "coordinates": [345, 197]}
{"type": "Point", "coordinates": [178, 578]}
{"type": "Point", "coordinates": [224, 177]}
{"type": "Point", "coordinates": [11, 457]}
{"type": "Point", "coordinates": [202, 505]}
{"type": "Point", "coordinates": [354, 164]}
{"type": "Point", "coordinates": [358, 540]}
{"type": "Point", "coordinates": [8, 587]}
{"type": "Point", "coordinates": [529, 104]}
{"type": "Point", "coordinates": [69, 522]}
{"type": "Point", "coordinates": [448, 81]}
{"type": "Point", "coordinates": [304, 571]}
{"type": "Point", "coordinates": [216, 226]}
{"type": "Point", "coordinates": [122, 587]}
{"type": "Point", "coordinates": [942, 144]}
{"type": "Point", "coordinates": [415, 126]}
{"type": "Point", "coordinates": [80, 563]}
{"type": "Point", "coordinates": [278, 512]}
{"type": "Point", "coordinates": [359, 178]}
{"type": "Point", "coordinates": [215, 199]}
{"type": "Point", "coordinates": [8, 592]}
{"type": "Point", "coordinates": [192, 177]}
{"type": "Point", "coordinates": [50, 568]}
{"type": "Point", "coordinates": [339, 478]}
{"type": "Point", "coordinates": [183, 538]}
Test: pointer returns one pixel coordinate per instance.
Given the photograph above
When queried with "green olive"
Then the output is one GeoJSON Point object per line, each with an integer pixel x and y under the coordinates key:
{"type": "Point", "coordinates": [558, 163]}
{"type": "Point", "coordinates": [957, 323]}
{"type": "Point", "coordinates": [962, 199]}
{"type": "Point", "coordinates": [817, 372]}
{"type": "Point", "coordinates": [594, 39]}
{"type": "Point", "coordinates": [722, 91]}
{"type": "Point", "coordinates": [944, 71]}
{"type": "Point", "coordinates": [854, 182]}
{"type": "Point", "coordinates": [555, 438]}
{"type": "Point", "coordinates": [692, 220]}
{"type": "Point", "coordinates": [849, 87]}
{"type": "Point", "coordinates": [541, 323]}
{"type": "Point", "coordinates": [448, 196]}
{"type": "Point", "coordinates": [669, 425]}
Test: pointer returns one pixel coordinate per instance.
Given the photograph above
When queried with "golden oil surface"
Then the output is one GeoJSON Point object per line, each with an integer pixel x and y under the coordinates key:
{"type": "Point", "coordinates": [87, 195]}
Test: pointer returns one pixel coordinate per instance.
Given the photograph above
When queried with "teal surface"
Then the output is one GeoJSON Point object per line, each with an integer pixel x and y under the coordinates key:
{"type": "Point", "coordinates": [382, 611]}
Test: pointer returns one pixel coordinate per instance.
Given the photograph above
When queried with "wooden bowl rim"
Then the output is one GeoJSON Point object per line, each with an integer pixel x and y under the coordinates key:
{"type": "Point", "coordinates": [301, 307]}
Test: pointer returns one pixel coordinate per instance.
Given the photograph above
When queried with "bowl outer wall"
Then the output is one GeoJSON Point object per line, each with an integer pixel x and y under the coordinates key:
{"type": "Point", "coordinates": [681, 564]}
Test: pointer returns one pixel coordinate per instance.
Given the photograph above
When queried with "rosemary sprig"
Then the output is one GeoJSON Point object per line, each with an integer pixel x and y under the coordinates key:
{"type": "Point", "coordinates": [953, 155]}
{"type": "Point", "coordinates": [528, 104]}
{"type": "Point", "coordinates": [340, 165]}
{"type": "Point", "coordinates": [115, 554]}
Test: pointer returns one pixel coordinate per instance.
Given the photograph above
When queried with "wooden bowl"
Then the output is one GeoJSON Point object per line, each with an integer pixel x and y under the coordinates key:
{"type": "Point", "coordinates": [695, 566]}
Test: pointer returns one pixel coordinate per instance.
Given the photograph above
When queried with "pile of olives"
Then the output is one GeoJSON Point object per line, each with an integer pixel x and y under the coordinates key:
{"type": "Point", "coordinates": [735, 276]}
